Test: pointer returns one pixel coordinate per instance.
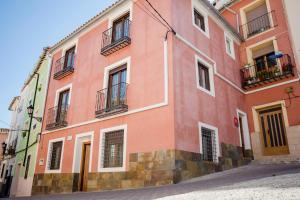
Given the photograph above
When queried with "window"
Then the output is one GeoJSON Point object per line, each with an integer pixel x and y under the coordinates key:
{"type": "Point", "coordinates": [209, 144]}
{"type": "Point", "coordinates": [258, 19]}
{"type": "Point", "coordinates": [117, 87]}
{"type": "Point", "coordinates": [203, 76]}
{"type": "Point", "coordinates": [265, 61]}
{"type": "Point", "coordinates": [63, 101]}
{"type": "Point", "coordinates": [199, 20]}
{"type": "Point", "coordinates": [69, 58]}
{"type": "Point", "coordinates": [27, 167]}
{"type": "Point", "coordinates": [55, 155]}
{"type": "Point", "coordinates": [229, 46]}
{"type": "Point", "coordinates": [120, 28]}
{"type": "Point", "coordinates": [113, 149]}
{"type": "Point", "coordinates": [200, 17]}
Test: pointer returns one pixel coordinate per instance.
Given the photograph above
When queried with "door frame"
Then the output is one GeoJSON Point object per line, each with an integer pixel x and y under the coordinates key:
{"type": "Point", "coordinates": [81, 138]}
{"type": "Point", "coordinates": [246, 133]}
{"type": "Point", "coordinates": [256, 120]}
{"type": "Point", "coordinates": [82, 164]}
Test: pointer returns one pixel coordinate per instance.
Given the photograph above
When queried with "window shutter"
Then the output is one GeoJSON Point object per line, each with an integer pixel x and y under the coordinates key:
{"type": "Point", "coordinates": [257, 12]}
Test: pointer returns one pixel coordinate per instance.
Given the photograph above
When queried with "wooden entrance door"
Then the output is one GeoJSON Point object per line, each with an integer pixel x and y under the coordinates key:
{"type": "Point", "coordinates": [84, 170]}
{"type": "Point", "coordinates": [273, 133]}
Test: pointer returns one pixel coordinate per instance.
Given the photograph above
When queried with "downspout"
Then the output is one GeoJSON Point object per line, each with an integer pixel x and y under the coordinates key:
{"type": "Point", "coordinates": [31, 117]}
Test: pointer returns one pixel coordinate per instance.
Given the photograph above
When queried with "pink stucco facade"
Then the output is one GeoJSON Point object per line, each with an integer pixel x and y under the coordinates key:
{"type": "Point", "coordinates": [165, 104]}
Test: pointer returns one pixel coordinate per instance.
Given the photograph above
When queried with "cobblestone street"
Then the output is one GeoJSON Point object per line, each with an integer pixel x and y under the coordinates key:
{"type": "Point", "coordinates": [249, 182]}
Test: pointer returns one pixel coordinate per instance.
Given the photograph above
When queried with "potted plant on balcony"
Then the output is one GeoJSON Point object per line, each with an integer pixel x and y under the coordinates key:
{"type": "Point", "coordinates": [277, 72]}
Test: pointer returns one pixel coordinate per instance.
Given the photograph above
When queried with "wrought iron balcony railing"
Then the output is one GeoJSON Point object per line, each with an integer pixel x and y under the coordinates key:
{"type": "Point", "coordinates": [116, 38]}
{"type": "Point", "coordinates": [259, 25]}
{"type": "Point", "coordinates": [64, 66]}
{"type": "Point", "coordinates": [111, 100]}
{"type": "Point", "coordinates": [57, 117]}
{"type": "Point", "coordinates": [267, 72]}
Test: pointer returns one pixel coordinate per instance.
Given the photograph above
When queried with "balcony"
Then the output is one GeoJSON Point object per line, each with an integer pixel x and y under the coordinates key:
{"type": "Point", "coordinates": [111, 100]}
{"type": "Point", "coordinates": [259, 25]}
{"type": "Point", "coordinates": [64, 66]}
{"type": "Point", "coordinates": [270, 71]}
{"type": "Point", "coordinates": [116, 38]}
{"type": "Point", "coordinates": [57, 117]}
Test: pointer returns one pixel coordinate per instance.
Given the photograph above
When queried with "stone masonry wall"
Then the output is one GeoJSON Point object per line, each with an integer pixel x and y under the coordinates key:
{"type": "Point", "coordinates": [145, 169]}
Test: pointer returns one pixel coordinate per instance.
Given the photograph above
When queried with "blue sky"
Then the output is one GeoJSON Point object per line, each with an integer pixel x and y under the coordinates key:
{"type": "Point", "coordinates": [26, 26]}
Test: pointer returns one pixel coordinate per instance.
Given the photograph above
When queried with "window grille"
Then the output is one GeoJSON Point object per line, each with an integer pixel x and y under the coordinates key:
{"type": "Point", "coordinates": [55, 155]}
{"type": "Point", "coordinates": [209, 145]}
{"type": "Point", "coordinates": [113, 149]}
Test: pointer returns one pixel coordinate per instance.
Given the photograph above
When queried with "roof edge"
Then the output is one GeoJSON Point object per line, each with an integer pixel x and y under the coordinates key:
{"type": "Point", "coordinates": [86, 24]}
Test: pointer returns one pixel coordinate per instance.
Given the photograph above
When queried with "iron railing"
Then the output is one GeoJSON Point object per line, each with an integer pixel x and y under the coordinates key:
{"type": "Point", "coordinates": [111, 100]}
{"type": "Point", "coordinates": [259, 24]}
{"type": "Point", "coordinates": [267, 71]}
{"type": "Point", "coordinates": [64, 66]}
{"type": "Point", "coordinates": [57, 117]}
{"type": "Point", "coordinates": [116, 38]}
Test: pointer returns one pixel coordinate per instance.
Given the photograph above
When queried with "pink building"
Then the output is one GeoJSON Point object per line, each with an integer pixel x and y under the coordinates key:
{"type": "Point", "coordinates": [270, 77]}
{"type": "Point", "coordinates": [136, 101]}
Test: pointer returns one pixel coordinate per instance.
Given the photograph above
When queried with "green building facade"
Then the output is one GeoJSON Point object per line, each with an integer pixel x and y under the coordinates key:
{"type": "Point", "coordinates": [27, 150]}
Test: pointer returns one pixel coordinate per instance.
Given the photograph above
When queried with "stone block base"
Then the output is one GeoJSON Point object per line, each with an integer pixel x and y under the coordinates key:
{"type": "Point", "coordinates": [145, 169]}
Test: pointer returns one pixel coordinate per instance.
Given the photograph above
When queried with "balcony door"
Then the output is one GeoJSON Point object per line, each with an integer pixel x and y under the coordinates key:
{"type": "Point", "coordinates": [69, 58]}
{"type": "Point", "coordinates": [120, 28]}
{"type": "Point", "coordinates": [273, 133]}
{"type": "Point", "coordinates": [117, 88]}
{"type": "Point", "coordinates": [62, 106]}
{"type": "Point", "coordinates": [258, 20]}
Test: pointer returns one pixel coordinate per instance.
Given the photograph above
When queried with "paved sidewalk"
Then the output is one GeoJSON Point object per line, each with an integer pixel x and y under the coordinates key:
{"type": "Point", "coordinates": [253, 179]}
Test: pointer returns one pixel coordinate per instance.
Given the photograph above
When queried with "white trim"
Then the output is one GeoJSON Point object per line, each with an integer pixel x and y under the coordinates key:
{"type": "Point", "coordinates": [90, 138]}
{"type": "Point", "coordinates": [224, 78]}
{"type": "Point", "coordinates": [50, 142]}
{"type": "Point", "coordinates": [246, 132]}
{"type": "Point", "coordinates": [232, 53]}
{"type": "Point", "coordinates": [69, 45]}
{"type": "Point", "coordinates": [69, 86]}
{"type": "Point", "coordinates": [211, 60]}
{"type": "Point", "coordinates": [165, 102]}
{"type": "Point", "coordinates": [197, 6]}
{"type": "Point", "coordinates": [216, 131]}
{"type": "Point", "coordinates": [117, 13]}
{"type": "Point", "coordinates": [101, 144]}
{"type": "Point", "coordinates": [211, 76]}
{"type": "Point", "coordinates": [272, 86]}
{"type": "Point", "coordinates": [256, 114]}
{"type": "Point", "coordinates": [107, 69]}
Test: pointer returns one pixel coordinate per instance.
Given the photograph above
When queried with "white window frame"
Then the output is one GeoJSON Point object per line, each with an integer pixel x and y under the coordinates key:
{"type": "Point", "coordinates": [200, 9]}
{"type": "Point", "coordinates": [101, 149]}
{"type": "Point", "coordinates": [68, 46]}
{"type": "Point", "coordinates": [232, 53]}
{"type": "Point", "coordinates": [66, 87]}
{"type": "Point", "coordinates": [211, 76]}
{"type": "Point", "coordinates": [213, 128]}
{"type": "Point", "coordinates": [117, 13]}
{"type": "Point", "coordinates": [107, 69]}
{"type": "Point", "coordinates": [47, 168]}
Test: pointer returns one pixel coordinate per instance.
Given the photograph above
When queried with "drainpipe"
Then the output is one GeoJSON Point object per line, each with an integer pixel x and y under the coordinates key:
{"type": "Point", "coordinates": [31, 117]}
